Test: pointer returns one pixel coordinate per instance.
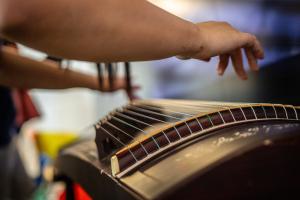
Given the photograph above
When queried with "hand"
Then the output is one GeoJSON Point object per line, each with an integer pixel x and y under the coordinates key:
{"type": "Point", "coordinates": [221, 39]}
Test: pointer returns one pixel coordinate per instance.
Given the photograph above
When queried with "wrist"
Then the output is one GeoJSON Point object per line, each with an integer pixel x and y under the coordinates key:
{"type": "Point", "coordinates": [193, 42]}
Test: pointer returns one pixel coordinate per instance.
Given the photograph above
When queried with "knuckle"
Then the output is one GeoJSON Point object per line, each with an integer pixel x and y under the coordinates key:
{"type": "Point", "coordinates": [248, 39]}
{"type": "Point", "coordinates": [252, 38]}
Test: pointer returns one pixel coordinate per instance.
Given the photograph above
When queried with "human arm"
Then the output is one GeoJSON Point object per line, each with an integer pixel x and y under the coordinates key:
{"type": "Point", "coordinates": [120, 30]}
{"type": "Point", "coordinates": [21, 72]}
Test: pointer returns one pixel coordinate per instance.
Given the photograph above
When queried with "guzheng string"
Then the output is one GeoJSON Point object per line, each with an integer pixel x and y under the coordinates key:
{"type": "Point", "coordinates": [112, 136]}
{"type": "Point", "coordinates": [140, 110]}
{"type": "Point", "coordinates": [144, 123]}
{"type": "Point", "coordinates": [137, 129]}
{"type": "Point", "coordinates": [149, 125]}
{"type": "Point", "coordinates": [127, 135]}
{"type": "Point", "coordinates": [138, 121]}
{"type": "Point", "coordinates": [151, 118]}
{"type": "Point", "coordinates": [166, 109]}
{"type": "Point", "coordinates": [189, 115]}
{"type": "Point", "coordinates": [153, 112]}
{"type": "Point", "coordinates": [145, 129]}
{"type": "Point", "coordinates": [132, 113]}
{"type": "Point", "coordinates": [119, 142]}
{"type": "Point", "coordinates": [145, 116]}
{"type": "Point", "coordinates": [209, 106]}
{"type": "Point", "coordinates": [178, 119]}
{"type": "Point", "coordinates": [115, 127]}
{"type": "Point", "coordinates": [144, 132]}
{"type": "Point", "coordinates": [198, 107]}
{"type": "Point", "coordinates": [164, 115]}
{"type": "Point", "coordinates": [176, 112]}
{"type": "Point", "coordinates": [158, 113]}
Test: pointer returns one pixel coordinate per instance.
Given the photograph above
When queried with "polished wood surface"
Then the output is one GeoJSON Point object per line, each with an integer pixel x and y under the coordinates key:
{"type": "Point", "coordinates": [144, 129]}
{"type": "Point", "coordinates": [234, 162]}
{"type": "Point", "coordinates": [251, 143]}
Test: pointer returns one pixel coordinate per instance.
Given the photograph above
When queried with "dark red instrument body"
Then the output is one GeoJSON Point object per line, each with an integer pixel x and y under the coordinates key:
{"type": "Point", "coordinates": [252, 159]}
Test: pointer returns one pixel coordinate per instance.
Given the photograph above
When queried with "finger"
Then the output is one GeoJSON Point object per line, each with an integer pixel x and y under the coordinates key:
{"type": "Point", "coordinates": [133, 97]}
{"type": "Point", "coordinates": [237, 61]}
{"type": "Point", "coordinates": [136, 87]}
{"type": "Point", "coordinates": [131, 94]}
{"type": "Point", "coordinates": [121, 84]}
{"type": "Point", "coordinates": [249, 40]}
{"type": "Point", "coordinates": [223, 63]}
{"type": "Point", "coordinates": [258, 50]}
{"type": "Point", "coordinates": [251, 60]}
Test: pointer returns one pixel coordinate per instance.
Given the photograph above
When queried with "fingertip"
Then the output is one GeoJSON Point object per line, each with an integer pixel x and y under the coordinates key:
{"type": "Point", "coordinates": [244, 77]}
{"type": "Point", "coordinates": [255, 67]}
{"type": "Point", "coordinates": [262, 56]}
{"type": "Point", "coordinates": [220, 71]}
{"type": "Point", "coordinates": [259, 51]}
{"type": "Point", "coordinates": [259, 55]}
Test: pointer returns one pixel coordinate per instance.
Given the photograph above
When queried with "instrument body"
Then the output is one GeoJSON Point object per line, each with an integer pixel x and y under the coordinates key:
{"type": "Point", "coordinates": [242, 160]}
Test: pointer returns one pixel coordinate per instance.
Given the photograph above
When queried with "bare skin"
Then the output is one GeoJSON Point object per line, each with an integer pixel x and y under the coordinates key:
{"type": "Point", "coordinates": [20, 72]}
{"type": "Point", "coordinates": [122, 30]}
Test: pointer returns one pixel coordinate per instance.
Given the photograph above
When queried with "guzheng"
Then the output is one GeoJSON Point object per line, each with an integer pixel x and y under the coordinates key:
{"type": "Point", "coordinates": [144, 130]}
{"type": "Point", "coordinates": [173, 149]}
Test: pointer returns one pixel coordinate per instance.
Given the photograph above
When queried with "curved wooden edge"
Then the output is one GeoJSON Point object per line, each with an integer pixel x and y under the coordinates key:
{"type": "Point", "coordinates": [115, 162]}
{"type": "Point", "coordinates": [151, 134]}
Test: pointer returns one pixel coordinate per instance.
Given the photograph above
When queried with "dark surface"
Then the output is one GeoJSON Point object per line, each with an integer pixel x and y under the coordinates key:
{"type": "Point", "coordinates": [249, 161]}
{"type": "Point", "coordinates": [7, 116]}
{"type": "Point", "coordinates": [79, 163]}
{"type": "Point", "coordinates": [267, 172]}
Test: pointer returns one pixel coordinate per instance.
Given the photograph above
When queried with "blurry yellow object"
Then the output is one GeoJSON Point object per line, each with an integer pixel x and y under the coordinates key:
{"type": "Point", "coordinates": [51, 142]}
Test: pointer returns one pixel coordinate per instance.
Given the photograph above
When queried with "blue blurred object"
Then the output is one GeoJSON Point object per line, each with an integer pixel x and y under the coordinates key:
{"type": "Point", "coordinates": [44, 161]}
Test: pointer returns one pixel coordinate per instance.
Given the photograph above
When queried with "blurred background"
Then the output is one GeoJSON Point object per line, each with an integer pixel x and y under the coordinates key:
{"type": "Point", "coordinates": [275, 22]}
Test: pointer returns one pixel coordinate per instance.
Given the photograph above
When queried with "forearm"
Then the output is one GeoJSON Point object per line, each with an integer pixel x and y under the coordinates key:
{"type": "Point", "coordinates": [21, 72]}
{"type": "Point", "coordinates": [99, 30]}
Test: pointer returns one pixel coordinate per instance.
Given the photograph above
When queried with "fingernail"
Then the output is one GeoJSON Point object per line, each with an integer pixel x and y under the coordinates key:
{"type": "Point", "coordinates": [262, 56]}
{"type": "Point", "coordinates": [255, 68]}
{"type": "Point", "coordinates": [243, 76]}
